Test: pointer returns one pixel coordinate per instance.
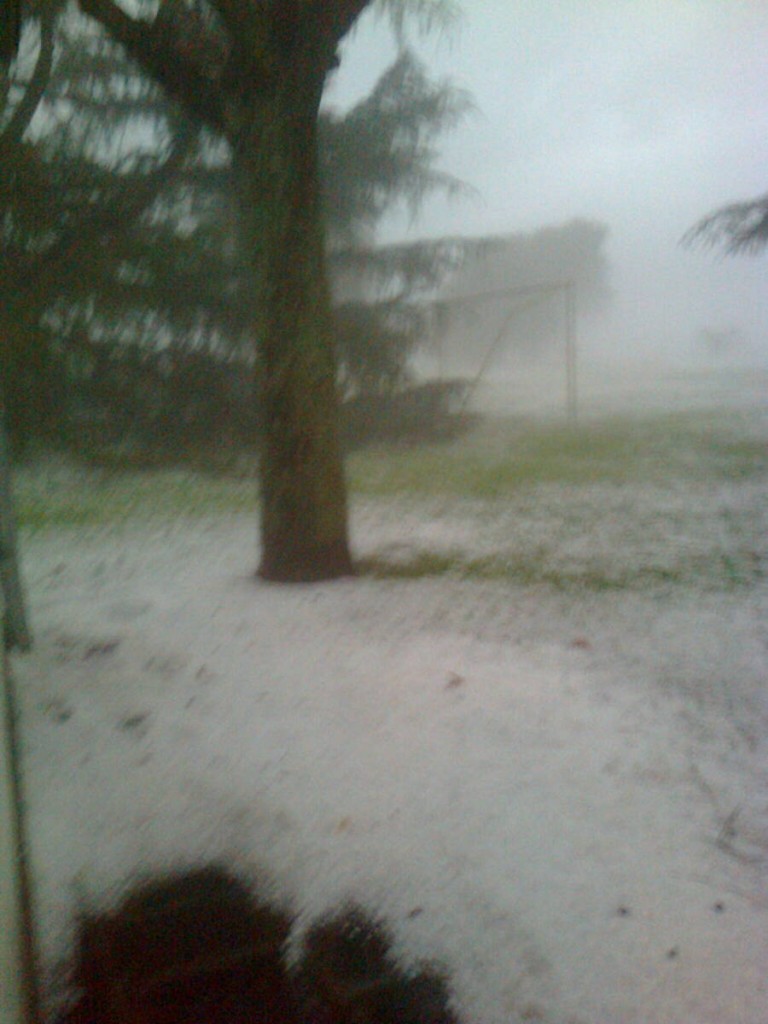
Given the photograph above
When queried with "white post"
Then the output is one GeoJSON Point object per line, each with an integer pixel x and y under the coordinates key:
{"type": "Point", "coordinates": [571, 391]}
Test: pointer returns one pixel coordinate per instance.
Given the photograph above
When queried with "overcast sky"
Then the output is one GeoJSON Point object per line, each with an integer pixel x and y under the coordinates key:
{"type": "Point", "coordinates": [644, 114]}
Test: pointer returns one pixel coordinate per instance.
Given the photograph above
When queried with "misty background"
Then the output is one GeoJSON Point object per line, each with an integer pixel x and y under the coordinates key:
{"type": "Point", "coordinates": [638, 116]}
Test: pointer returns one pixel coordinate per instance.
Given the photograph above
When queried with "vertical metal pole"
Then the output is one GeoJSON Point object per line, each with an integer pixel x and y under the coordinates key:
{"type": "Point", "coordinates": [441, 356]}
{"type": "Point", "coordinates": [19, 993]}
{"type": "Point", "coordinates": [11, 956]}
{"type": "Point", "coordinates": [19, 998]}
{"type": "Point", "coordinates": [15, 625]}
{"type": "Point", "coordinates": [571, 389]}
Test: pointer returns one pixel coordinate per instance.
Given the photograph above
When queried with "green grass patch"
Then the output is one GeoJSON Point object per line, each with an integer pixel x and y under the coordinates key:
{"type": "Point", "coordinates": [501, 458]}
{"type": "Point", "coordinates": [718, 572]}
{"type": "Point", "coordinates": [96, 497]}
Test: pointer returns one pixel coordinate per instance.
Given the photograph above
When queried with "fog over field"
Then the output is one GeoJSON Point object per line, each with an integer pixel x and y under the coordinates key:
{"type": "Point", "coordinates": [636, 116]}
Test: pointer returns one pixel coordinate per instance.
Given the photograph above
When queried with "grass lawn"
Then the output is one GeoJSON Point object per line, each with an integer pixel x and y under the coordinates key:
{"type": "Point", "coordinates": [503, 456]}
{"type": "Point", "coordinates": [616, 503]}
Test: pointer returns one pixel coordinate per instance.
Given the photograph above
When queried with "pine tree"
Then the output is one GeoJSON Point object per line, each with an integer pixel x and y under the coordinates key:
{"type": "Point", "coordinates": [738, 228]}
{"type": "Point", "coordinates": [107, 286]}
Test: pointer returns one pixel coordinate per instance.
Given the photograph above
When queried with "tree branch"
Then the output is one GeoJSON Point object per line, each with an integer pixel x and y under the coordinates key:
{"type": "Point", "coordinates": [336, 18]}
{"type": "Point", "coordinates": [738, 228]}
{"type": "Point", "coordinates": [25, 110]}
{"type": "Point", "coordinates": [348, 13]}
{"type": "Point", "coordinates": [154, 52]}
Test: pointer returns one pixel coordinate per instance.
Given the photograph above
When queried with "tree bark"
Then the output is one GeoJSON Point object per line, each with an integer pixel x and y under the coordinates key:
{"type": "Point", "coordinates": [304, 502]}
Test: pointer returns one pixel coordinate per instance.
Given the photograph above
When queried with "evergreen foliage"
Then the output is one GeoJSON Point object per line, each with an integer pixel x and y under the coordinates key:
{"type": "Point", "coordinates": [127, 306]}
{"type": "Point", "coordinates": [739, 228]}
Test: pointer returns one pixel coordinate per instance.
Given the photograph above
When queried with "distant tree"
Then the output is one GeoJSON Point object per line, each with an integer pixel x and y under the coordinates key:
{"type": "Point", "coordinates": [739, 228]}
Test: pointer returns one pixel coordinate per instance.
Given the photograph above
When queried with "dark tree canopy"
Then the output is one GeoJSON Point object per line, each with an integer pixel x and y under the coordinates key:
{"type": "Point", "coordinates": [69, 214]}
{"type": "Point", "coordinates": [112, 292]}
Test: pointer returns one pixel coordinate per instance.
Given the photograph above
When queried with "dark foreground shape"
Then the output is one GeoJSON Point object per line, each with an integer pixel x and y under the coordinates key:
{"type": "Point", "coordinates": [198, 949]}
{"type": "Point", "coordinates": [347, 974]}
{"type": "Point", "coordinates": [192, 949]}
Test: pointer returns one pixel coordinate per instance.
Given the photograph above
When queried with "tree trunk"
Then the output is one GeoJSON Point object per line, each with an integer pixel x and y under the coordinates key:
{"type": "Point", "coordinates": [304, 504]}
{"type": "Point", "coordinates": [265, 99]}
